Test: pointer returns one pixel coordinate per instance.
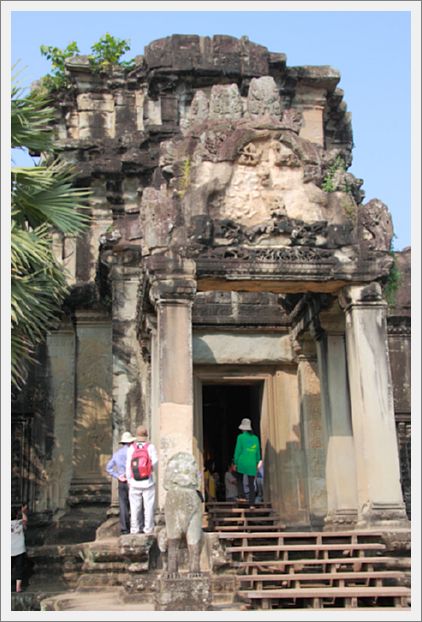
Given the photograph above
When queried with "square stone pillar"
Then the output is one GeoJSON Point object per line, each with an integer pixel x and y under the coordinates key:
{"type": "Point", "coordinates": [173, 419]}
{"type": "Point", "coordinates": [92, 430]}
{"type": "Point", "coordinates": [127, 409]}
{"type": "Point", "coordinates": [342, 499]}
{"type": "Point", "coordinates": [314, 441]}
{"type": "Point", "coordinates": [380, 501]}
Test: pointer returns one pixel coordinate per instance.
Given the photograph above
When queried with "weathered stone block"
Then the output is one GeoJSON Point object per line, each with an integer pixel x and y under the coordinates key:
{"type": "Point", "coordinates": [183, 594]}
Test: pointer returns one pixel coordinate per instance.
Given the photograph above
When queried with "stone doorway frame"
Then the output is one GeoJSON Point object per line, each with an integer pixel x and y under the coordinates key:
{"type": "Point", "coordinates": [226, 374]}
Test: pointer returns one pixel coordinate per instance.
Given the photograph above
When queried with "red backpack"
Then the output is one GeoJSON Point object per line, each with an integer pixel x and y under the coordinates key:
{"type": "Point", "coordinates": [140, 463]}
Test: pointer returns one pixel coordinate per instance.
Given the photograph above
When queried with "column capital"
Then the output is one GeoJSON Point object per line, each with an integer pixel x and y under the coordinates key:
{"type": "Point", "coordinates": [361, 295]}
{"type": "Point", "coordinates": [171, 279]}
{"type": "Point", "coordinates": [172, 291]}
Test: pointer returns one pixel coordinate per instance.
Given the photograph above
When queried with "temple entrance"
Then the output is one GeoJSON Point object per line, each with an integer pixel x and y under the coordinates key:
{"type": "Point", "coordinates": [223, 407]}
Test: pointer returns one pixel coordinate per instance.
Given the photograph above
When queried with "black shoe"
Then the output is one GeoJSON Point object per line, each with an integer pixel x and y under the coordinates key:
{"type": "Point", "coordinates": [124, 533]}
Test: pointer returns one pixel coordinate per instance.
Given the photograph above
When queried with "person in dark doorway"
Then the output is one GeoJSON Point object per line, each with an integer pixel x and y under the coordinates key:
{"type": "Point", "coordinates": [247, 455]}
{"type": "Point", "coordinates": [116, 467]}
{"type": "Point", "coordinates": [230, 483]}
{"type": "Point", "coordinates": [210, 483]}
{"type": "Point", "coordinates": [259, 482]}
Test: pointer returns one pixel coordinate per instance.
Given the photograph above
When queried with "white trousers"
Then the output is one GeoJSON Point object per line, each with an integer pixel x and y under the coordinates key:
{"type": "Point", "coordinates": [141, 499]}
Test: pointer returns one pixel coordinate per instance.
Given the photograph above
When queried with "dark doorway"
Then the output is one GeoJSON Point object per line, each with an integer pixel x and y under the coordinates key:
{"type": "Point", "coordinates": [224, 407]}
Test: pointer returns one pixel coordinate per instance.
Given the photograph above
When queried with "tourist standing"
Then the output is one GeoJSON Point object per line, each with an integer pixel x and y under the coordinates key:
{"type": "Point", "coordinates": [18, 549]}
{"type": "Point", "coordinates": [247, 455]}
{"type": "Point", "coordinates": [140, 463]}
{"type": "Point", "coordinates": [116, 467]}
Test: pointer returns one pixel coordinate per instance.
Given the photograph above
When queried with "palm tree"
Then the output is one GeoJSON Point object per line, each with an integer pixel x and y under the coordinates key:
{"type": "Point", "coordinates": [43, 202]}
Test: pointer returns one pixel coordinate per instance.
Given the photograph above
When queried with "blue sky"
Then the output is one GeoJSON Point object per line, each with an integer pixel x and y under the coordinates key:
{"type": "Point", "coordinates": [371, 49]}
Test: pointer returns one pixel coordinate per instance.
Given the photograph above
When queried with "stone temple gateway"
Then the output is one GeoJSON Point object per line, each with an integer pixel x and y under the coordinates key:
{"type": "Point", "coordinates": [231, 269]}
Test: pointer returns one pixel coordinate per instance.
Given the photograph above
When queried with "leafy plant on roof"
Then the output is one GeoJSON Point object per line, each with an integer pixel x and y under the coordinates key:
{"type": "Point", "coordinates": [105, 54]}
{"type": "Point", "coordinates": [108, 51]}
{"type": "Point", "coordinates": [58, 78]}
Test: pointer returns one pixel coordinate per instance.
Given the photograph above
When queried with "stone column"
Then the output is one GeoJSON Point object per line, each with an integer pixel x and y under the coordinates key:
{"type": "Point", "coordinates": [61, 358]}
{"type": "Point", "coordinates": [314, 441]}
{"type": "Point", "coordinates": [311, 101]}
{"type": "Point", "coordinates": [92, 433]}
{"type": "Point", "coordinates": [173, 299]}
{"type": "Point", "coordinates": [380, 501]}
{"type": "Point", "coordinates": [127, 404]}
{"type": "Point", "coordinates": [335, 406]}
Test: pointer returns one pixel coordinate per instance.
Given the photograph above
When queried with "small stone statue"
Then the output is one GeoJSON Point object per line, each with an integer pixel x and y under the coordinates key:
{"type": "Point", "coordinates": [182, 512]}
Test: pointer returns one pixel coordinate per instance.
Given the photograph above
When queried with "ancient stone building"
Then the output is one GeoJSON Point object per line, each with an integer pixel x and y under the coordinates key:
{"type": "Point", "coordinates": [231, 270]}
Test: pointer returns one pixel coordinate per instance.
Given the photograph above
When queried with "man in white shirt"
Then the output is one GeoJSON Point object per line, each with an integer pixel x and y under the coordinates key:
{"type": "Point", "coordinates": [141, 492]}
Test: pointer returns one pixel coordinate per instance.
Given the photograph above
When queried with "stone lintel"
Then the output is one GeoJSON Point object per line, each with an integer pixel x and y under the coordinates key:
{"type": "Point", "coordinates": [251, 284]}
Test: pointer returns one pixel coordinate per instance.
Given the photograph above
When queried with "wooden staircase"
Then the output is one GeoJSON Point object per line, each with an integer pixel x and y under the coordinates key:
{"type": "Point", "coordinates": [275, 568]}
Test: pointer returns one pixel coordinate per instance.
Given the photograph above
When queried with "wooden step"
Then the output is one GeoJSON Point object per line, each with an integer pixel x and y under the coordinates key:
{"type": "Point", "coordinates": [249, 519]}
{"type": "Point", "coordinates": [356, 562]}
{"type": "Point", "coordinates": [351, 594]}
{"type": "Point", "coordinates": [331, 577]}
{"type": "Point", "coordinates": [236, 528]}
{"type": "Point", "coordinates": [326, 548]}
{"type": "Point", "coordinates": [240, 510]}
{"type": "Point", "coordinates": [308, 538]}
{"type": "Point", "coordinates": [227, 504]}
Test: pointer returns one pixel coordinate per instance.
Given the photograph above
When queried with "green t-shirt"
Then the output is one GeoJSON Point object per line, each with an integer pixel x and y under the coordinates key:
{"type": "Point", "coordinates": [247, 453]}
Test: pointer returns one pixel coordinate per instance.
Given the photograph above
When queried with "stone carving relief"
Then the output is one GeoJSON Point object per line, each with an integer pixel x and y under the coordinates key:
{"type": "Point", "coordinates": [292, 119]}
{"type": "Point", "coordinates": [225, 102]}
{"type": "Point", "coordinates": [249, 155]}
{"type": "Point", "coordinates": [376, 227]}
{"type": "Point", "coordinates": [263, 98]}
{"type": "Point", "coordinates": [182, 512]}
{"type": "Point", "coordinates": [283, 156]}
{"type": "Point", "coordinates": [199, 107]}
{"type": "Point", "coordinates": [290, 254]}
{"type": "Point", "coordinates": [157, 218]}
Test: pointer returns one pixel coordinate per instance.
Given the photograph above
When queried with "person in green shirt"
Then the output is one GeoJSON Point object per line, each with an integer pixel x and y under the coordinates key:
{"type": "Point", "coordinates": [247, 454]}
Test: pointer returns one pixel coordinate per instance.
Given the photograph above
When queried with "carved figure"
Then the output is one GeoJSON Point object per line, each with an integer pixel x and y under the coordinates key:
{"type": "Point", "coordinates": [182, 512]}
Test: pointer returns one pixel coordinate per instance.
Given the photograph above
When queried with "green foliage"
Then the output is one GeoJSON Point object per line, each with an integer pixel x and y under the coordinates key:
{"type": "Point", "coordinates": [108, 51]}
{"type": "Point", "coordinates": [328, 183]}
{"type": "Point", "coordinates": [393, 281]}
{"type": "Point", "coordinates": [185, 177]}
{"type": "Point", "coordinates": [57, 79]}
{"type": "Point", "coordinates": [29, 121]}
{"type": "Point", "coordinates": [43, 202]}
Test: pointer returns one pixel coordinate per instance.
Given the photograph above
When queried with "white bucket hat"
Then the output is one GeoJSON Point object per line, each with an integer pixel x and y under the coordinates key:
{"type": "Point", "coordinates": [127, 438]}
{"type": "Point", "coordinates": [245, 425]}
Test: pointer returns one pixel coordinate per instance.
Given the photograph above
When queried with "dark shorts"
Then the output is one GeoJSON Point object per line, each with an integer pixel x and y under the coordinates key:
{"type": "Point", "coordinates": [18, 566]}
